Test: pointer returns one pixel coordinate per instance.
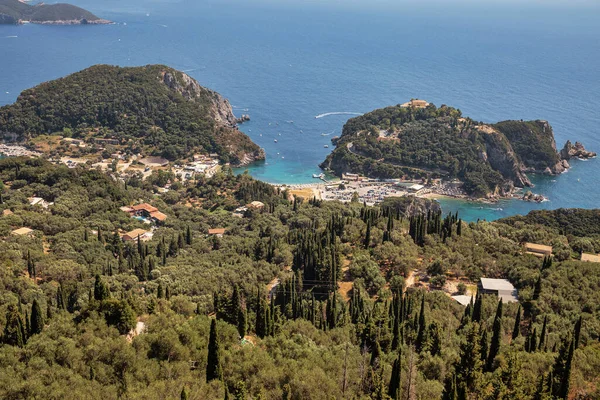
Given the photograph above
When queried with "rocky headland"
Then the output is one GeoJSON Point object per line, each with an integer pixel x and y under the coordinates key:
{"type": "Point", "coordinates": [426, 142]}
{"type": "Point", "coordinates": [18, 12]}
{"type": "Point", "coordinates": [152, 110]}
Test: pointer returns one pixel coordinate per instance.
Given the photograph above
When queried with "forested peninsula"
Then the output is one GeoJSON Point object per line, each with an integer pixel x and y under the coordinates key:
{"type": "Point", "coordinates": [418, 140]}
{"type": "Point", "coordinates": [152, 110]}
{"type": "Point", "coordinates": [17, 12]}
{"type": "Point", "coordinates": [226, 287]}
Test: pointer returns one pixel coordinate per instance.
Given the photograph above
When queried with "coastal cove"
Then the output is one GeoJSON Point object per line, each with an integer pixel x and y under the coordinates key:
{"type": "Point", "coordinates": [286, 71]}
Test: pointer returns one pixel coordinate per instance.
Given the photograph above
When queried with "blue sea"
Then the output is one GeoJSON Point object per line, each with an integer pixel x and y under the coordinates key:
{"type": "Point", "coordinates": [286, 62]}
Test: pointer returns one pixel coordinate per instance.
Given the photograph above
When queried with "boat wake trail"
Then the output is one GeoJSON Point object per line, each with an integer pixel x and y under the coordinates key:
{"type": "Point", "coordinates": [337, 113]}
{"type": "Point", "coordinates": [10, 37]}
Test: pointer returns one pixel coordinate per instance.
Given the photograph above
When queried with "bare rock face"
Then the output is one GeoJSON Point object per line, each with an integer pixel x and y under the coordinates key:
{"type": "Point", "coordinates": [190, 89]}
{"type": "Point", "coordinates": [577, 150]}
{"type": "Point", "coordinates": [501, 156]}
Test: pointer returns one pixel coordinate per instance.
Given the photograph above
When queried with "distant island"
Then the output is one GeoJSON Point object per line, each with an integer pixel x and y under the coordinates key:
{"type": "Point", "coordinates": [143, 111]}
{"type": "Point", "coordinates": [418, 140]}
{"type": "Point", "coordinates": [18, 12]}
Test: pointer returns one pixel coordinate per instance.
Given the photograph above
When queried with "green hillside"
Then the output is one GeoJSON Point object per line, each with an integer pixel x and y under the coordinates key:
{"type": "Point", "coordinates": [153, 109]}
{"type": "Point", "coordinates": [307, 299]}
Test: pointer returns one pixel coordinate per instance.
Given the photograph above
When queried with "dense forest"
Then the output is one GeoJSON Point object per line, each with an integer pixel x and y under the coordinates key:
{"type": "Point", "coordinates": [15, 10]}
{"type": "Point", "coordinates": [431, 142]}
{"type": "Point", "coordinates": [297, 299]}
{"type": "Point", "coordinates": [153, 110]}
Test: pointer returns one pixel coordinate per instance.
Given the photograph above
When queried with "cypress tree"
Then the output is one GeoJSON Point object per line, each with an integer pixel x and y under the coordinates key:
{"type": "Point", "coordinates": [496, 337]}
{"type": "Point", "coordinates": [188, 236]}
{"type": "Point", "coordinates": [537, 290]}
{"type": "Point", "coordinates": [578, 331]}
{"type": "Point", "coordinates": [213, 367]}
{"type": "Point", "coordinates": [37, 319]}
{"type": "Point", "coordinates": [476, 317]}
{"type": "Point", "coordinates": [101, 292]}
{"type": "Point", "coordinates": [422, 333]}
{"type": "Point", "coordinates": [184, 395]}
{"type": "Point", "coordinates": [533, 341]}
{"type": "Point", "coordinates": [368, 235]}
{"type": "Point", "coordinates": [483, 343]}
{"type": "Point", "coordinates": [395, 380]}
{"type": "Point", "coordinates": [543, 334]}
{"type": "Point", "coordinates": [242, 323]}
{"type": "Point", "coordinates": [562, 370]}
{"type": "Point", "coordinates": [459, 228]}
{"type": "Point", "coordinates": [517, 328]}
{"type": "Point", "coordinates": [436, 339]}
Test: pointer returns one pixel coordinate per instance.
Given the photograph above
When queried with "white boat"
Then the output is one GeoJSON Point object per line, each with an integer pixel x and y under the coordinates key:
{"type": "Point", "coordinates": [318, 176]}
{"type": "Point", "coordinates": [326, 146]}
{"type": "Point", "coordinates": [275, 140]}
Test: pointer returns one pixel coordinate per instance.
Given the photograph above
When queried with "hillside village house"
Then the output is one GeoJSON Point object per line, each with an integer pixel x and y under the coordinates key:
{"type": "Point", "coordinates": [500, 287]}
{"type": "Point", "coordinates": [538, 250]}
{"type": "Point", "coordinates": [145, 210]}
{"type": "Point", "coordinates": [219, 232]}
{"type": "Point", "coordinates": [134, 234]}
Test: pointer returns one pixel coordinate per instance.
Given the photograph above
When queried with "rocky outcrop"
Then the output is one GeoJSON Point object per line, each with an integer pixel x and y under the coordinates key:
{"type": "Point", "coordinates": [501, 156]}
{"type": "Point", "coordinates": [218, 107]}
{"type": "Point", "coordinates": [576, 150]}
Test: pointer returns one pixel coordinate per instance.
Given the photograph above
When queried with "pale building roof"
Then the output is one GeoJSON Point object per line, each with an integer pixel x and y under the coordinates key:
{"type": "Point", "coordinates": [590, 257]}
{"type": "Point", "coordinates": [462, 299]}
{"type": "Point", "coordinates": [136, 232]}
{"type": "Point", "coordinates": [496, 284]}
{"type": "Point", "coordinates": [22, 231]}
{"type": "Point", "coordinates": [539, 248]}
{"type": "Point", "coordinates": [217, 231]}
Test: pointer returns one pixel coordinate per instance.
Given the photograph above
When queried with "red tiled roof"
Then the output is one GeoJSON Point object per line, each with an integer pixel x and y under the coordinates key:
{"type": "Point", "coordinates": [144, 206]}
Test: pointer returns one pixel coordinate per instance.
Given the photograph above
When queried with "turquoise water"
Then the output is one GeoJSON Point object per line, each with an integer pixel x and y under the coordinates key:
{"type": "Point", "coordinates": [281, 62]}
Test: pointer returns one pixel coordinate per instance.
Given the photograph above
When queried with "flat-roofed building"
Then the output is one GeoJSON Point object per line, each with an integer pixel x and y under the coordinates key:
{"type": "Point", "coordinates": [590, 257]}
{"type": "Point", "coordinates": [22, 232]}
{"type": "Point", "coordinates": [500, 287]}
{"type": "Point", "coordinates": [538, 250]}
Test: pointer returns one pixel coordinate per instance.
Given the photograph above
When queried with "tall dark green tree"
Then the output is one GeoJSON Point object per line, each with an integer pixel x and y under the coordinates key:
{"type": "Point", "coordinates": [101, 291]}
{"type": "Point", "coordinates": [395, 380]}
{"type": "Point", "coordinates": [496, 338]}
{"type": "Point", "coordinates": [517, 327]}
{"type": "Point", "coordinates": [37, 318]}
{"type": "Point", "coordinates": [543, 334]}
{"type": "Point", "coordinates": [422, 333]}
{"type": "Point", "coordinates": [578, 331]}
{"type": "Point", "coordinates": [213, 366]}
